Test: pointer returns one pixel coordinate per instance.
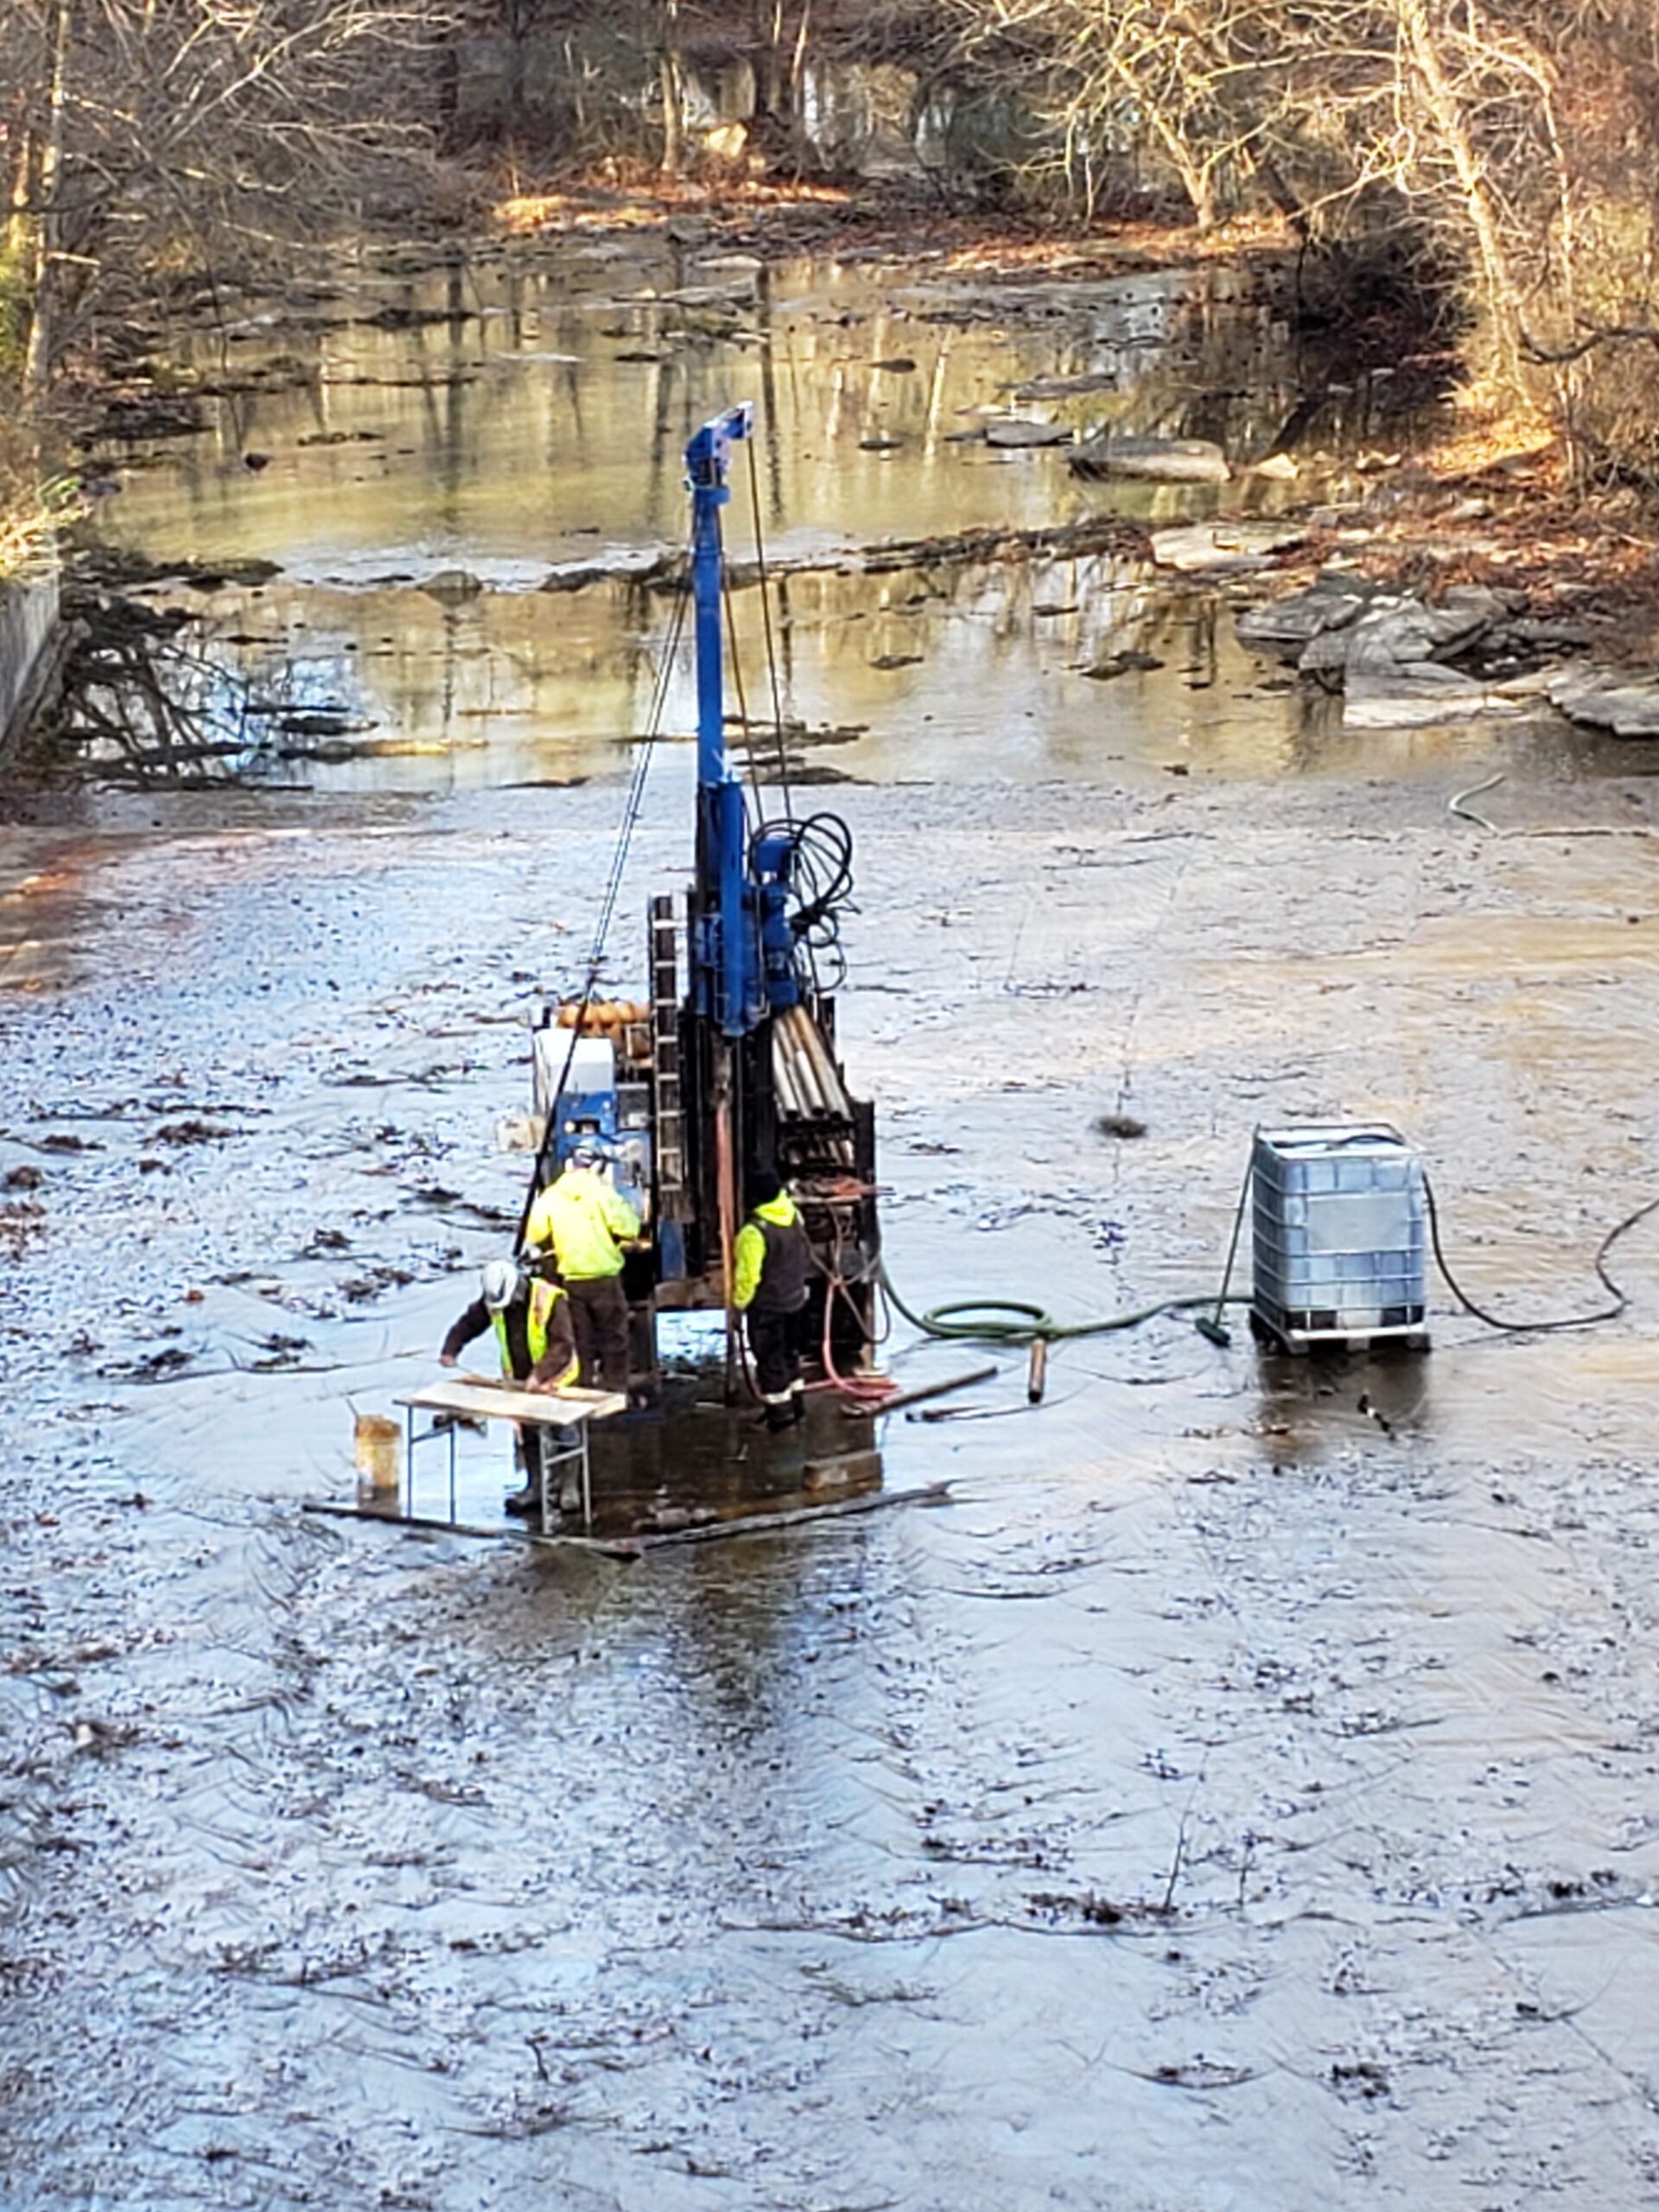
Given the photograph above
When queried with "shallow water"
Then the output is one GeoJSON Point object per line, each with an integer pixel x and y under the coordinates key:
{"type": "Point", "coordinates": [543, 433]}
{"type": "Point", "coordinates": [1227, 1801]}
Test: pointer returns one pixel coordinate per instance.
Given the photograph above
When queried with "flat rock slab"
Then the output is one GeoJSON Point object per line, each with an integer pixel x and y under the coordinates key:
{"type": "Point", "coordinates": [1222, 548]}
{"type": "Point", "coordinates": [1394, 676]}
{"type": "Point", "coordinates": [1157, 460]}
{"type": "Point", "coordinates": [1014, 431]}
{"type": "Point", "coordinates": [1332, 601]}
{"type": "Point", "coordinates": [1620, 700]}
{"type": "Point", "coordinates": [1387, 650]}
{"type": "Point", "coordinates": [1415, 695]}
{"type": "Point", "coordinates": [1395, 632]}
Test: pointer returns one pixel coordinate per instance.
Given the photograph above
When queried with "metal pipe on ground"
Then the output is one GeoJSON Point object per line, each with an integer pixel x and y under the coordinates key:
{"type": "Point", "coordinates": [1037, 1374]}
{"type": "Point", "coordinates": [914, 1397]}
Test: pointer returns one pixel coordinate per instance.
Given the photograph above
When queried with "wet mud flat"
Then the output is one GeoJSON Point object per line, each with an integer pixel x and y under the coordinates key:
{"type": "Point", "coordinates": [1239, 1795]}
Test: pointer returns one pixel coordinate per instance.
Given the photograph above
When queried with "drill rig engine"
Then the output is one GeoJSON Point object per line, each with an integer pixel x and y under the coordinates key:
{"type": "Point", "coordinates": [729, 1063]}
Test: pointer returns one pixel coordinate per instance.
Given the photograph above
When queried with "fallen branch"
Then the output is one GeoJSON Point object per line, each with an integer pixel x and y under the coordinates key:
{"type": "Point", "coordinates": [1069, 541]}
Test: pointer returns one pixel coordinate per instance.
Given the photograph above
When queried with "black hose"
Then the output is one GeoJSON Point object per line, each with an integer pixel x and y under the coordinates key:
{"type": "Point", "coordinates": [817, 868]}
{"type": "Point", "coordinates": [1621, 1297]}
{"type": "Point", "coordinates": [1013, 1321]}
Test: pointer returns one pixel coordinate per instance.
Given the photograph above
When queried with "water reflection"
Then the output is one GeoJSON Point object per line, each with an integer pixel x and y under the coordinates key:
{"type": "Point", "coordinates": [430, 448]}
{"type": "Point", "coordinates": [685, 1468]}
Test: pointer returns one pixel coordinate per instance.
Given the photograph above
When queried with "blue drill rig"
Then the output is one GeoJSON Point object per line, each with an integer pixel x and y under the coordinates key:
{"type": "Point", "coordinates": [730, 1064]}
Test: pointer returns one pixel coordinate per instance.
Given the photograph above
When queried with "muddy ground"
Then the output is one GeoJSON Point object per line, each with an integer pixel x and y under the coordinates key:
{"type": "Point", "coordinates": [1241, 1795]}
{"type": "Point", "coordinates": [1224, 1801]}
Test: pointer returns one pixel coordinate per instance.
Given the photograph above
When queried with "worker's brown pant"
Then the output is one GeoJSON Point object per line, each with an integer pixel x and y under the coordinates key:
{"type": "Point", "coordinates": [599, 1315]}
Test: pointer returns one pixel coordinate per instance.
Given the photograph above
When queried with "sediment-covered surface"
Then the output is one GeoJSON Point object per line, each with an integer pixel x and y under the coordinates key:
{"type": "Point", "coordinates": [1228, 1799]}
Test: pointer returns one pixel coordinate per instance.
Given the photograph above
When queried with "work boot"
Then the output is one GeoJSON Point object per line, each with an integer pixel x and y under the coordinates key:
{"type": "Point", "coordinates": [781, 1417]}
{"type": "Point", "coordinates": [527, 1501]}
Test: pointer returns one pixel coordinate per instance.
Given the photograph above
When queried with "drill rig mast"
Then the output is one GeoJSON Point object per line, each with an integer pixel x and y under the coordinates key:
{"type": "Point", "coordinates": [686, 1093]}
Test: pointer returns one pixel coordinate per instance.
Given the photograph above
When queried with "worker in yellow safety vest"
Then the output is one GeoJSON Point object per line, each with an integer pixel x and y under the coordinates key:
{"type": "Point", "coordinates": [770, 1261]}
{"type": "Point", "coordinates": [586, 1221]}
{"type": "Point", "coordinates": [531, 1320]}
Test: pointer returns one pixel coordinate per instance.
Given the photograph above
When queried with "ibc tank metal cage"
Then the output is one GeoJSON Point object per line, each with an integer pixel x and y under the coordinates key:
{"type": "Point", "coordinates": [1339, 1236]}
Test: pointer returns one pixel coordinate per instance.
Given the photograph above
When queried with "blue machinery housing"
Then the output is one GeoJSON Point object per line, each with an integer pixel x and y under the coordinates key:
{"type": "Point", "coordinates": [687, 1091]}
{"type": "Point", "coordinates": [742, 966]}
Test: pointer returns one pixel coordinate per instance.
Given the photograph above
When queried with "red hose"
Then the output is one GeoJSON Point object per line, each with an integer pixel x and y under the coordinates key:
{"type": "Point", "coordinates": [864, 1390]}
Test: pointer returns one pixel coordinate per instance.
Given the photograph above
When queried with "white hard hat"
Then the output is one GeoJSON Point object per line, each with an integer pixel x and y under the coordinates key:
{"type": "Point", "coordinates": [500, 1280]}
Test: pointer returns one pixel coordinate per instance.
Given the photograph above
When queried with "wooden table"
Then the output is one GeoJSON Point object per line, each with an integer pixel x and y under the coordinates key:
{"type": "Point", "coordinates": [476, 1397]}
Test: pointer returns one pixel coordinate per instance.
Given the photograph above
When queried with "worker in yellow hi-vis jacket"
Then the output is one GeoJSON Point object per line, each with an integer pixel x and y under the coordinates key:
{"type": "Point", "coordinates": [770, 1260]}
{"type": "Point", "coordinates": [531, 1320]}
{"type": "Point", "coordinates": [586, 1221]}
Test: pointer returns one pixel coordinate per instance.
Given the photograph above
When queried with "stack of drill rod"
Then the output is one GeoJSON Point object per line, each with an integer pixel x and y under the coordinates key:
{"type": "Point", "coordinates": [807, 1084]}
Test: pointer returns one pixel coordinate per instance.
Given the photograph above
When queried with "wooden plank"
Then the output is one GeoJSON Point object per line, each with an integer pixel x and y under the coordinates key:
{"type": "Point", "coordinates": [762, 1524]}
{"type": "Point", "coordinates": [576, 1392]}
{"type": "Point", "coordinates": [484, 1401]}
{"type": "Point", "coordinates": [631, 1547]}
{"type": "Point", "coordinates": [623, 1548]}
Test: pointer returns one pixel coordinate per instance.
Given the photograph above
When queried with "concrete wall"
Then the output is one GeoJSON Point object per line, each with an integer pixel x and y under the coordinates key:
{"type": "Point", "coordinates": [28, 644]}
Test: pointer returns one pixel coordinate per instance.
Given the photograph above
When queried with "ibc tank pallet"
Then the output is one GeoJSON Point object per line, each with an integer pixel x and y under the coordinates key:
{"type": "Point", "coordinates": [1408, 1337]}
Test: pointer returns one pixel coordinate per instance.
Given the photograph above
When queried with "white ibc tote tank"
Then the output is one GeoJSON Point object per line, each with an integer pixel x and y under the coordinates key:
{"type": "Point", "coordinates": [1340, 1235]}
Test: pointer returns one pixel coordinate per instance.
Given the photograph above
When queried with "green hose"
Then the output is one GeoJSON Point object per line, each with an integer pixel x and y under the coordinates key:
{"type": "Point", "coordinates": [1010, 1321]}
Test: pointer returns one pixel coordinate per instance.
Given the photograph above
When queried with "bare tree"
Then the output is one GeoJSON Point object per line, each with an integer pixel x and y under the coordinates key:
{"type": "Point", "coordinates": [1439, 121]}
{"type": "Point", "coordinates": [44, 192]}
{"type": "Point", "coordinates": [1197, 83]}
{"type": "Point", "coordinates": [190, 130]}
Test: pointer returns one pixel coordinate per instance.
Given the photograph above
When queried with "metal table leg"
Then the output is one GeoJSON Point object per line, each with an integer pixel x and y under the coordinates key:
{"type": "Point", "coordinates": [576, 1450]}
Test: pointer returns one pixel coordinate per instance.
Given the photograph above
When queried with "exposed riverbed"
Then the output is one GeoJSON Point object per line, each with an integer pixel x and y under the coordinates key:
{"type": "Point", "coordinates": [1231, 1799]}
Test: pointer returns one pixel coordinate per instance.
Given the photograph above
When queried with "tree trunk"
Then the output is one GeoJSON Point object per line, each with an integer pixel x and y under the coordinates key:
{"type": "Point", "coordinates": [516, 30]}
{"type": "Point", "coordinates": [673, 88]}
{"type": "Point", "coordinates": [765, 37]}
{"type": "Point", "coordinates": [14, 244]}
{"type": "Point", "coordinates": [1193, 173]}
{"type": "Point", "coordinates": [1480, 209]}
{"type": "Point", "coordinates": [798, 62]}
{"type": "Point", "coordinates": [37, 360]}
